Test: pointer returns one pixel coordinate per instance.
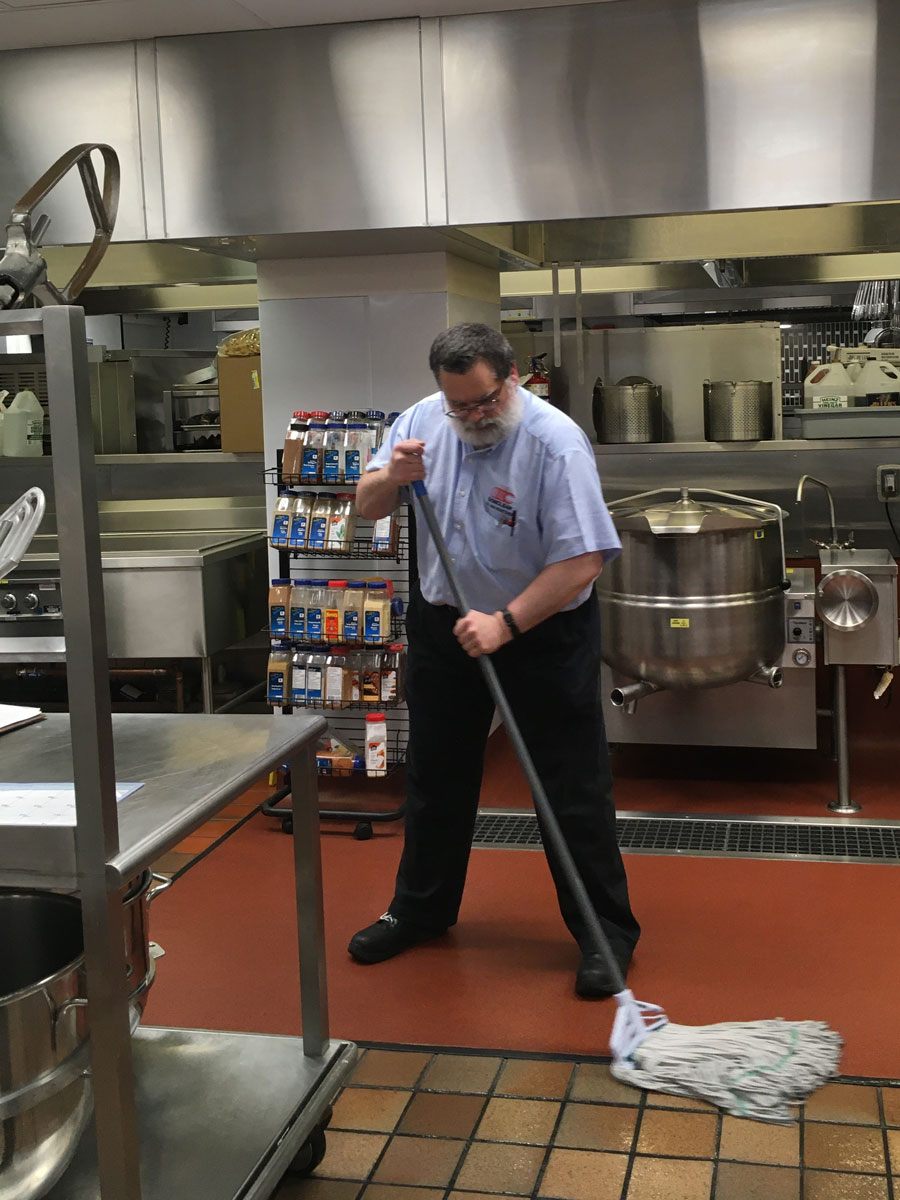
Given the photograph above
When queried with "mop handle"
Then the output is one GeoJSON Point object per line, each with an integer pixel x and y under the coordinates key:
{"type": "Point", "coordinates": [541, 803]}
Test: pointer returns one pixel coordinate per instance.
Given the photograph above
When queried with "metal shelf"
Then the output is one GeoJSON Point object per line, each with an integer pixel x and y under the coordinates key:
{"type": "Point", "coordinates": [207, 1127]}
{"type": "Point", "coordinates": [191, 1121]}
{"type": "Point", "coordinates": [191, 766]}
{"type": "Point", "coordinates": [359, 548]}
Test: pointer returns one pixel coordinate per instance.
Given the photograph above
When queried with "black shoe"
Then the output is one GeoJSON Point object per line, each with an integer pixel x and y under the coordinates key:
{"type": "Point", "coordinates": [387, 937]}
{"type": "Point", "coordinates": [593, 979]}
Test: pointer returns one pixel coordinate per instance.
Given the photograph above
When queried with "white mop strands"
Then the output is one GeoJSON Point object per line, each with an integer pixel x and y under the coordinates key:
{"type": "Point", "coordinates": [755, 1069]}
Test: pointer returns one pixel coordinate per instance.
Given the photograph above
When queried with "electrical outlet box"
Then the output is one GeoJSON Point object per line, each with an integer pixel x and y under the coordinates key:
{"type": "Point", "coordinates": [887, 482]}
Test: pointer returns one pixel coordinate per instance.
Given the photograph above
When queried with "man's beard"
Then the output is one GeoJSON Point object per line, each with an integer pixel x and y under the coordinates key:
{"type": "Point", "coordinates": [491, 430]}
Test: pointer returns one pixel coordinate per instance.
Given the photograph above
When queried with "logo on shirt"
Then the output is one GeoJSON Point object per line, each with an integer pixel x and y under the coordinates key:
{"type": "Point", "coordinates": [500, 504]}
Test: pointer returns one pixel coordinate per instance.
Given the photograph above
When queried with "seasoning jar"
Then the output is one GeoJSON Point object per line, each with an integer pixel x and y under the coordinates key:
{"type": "Point", "coordinates": [375, 421]}
{"type": "Point", "coordinates": [315, 676]}
{"type": "Point", "coordinates": [279, 601]}
{"type": "Point", "coordinates": [279, 662]}
{"type": "Point", "coordinates": [354, 600]}
{"type": "Point", "coordinates": [393, 674]}
{"type": "Point", "coordinates": [342, 523]}
{"type": "Point", "coordinates": [319, 522]}
{"type": "Point", "coordinates": [314, 603]}
{"type": "Point", "coordinates": [354, 672]}
{"type": "Point", "coordinates": [301, 511]}
{"type": "Point", "coordinates": [355, 446]}
{"type": "Point", "coordinates": [292, 456]}
{"type": "Point", "coordinates": [298, 677]}
{"type": "Point", "coordinates": [281, 519]}
{"type": "Point", "coordinates": [333, 610]}
{"type": "Point", "coordinates": [370, 676]}
{"type": "Point", "coordinates": [313, 452]}
{"type": "Point", "coordinates": [332, 452]}
{"type": "Point", "coordinates": [297, 611]}
{"type": "Point", "coordinates": [376, 614]}
{"type": "Point", "coordinates": [337, 678]}
{"type": "Point", "coordinates": [376, 744]}
{"type": "Point", "coordinates": [386, 535]}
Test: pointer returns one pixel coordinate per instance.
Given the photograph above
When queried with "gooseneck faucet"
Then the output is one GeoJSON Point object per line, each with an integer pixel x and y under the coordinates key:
{"type": "Point", "coordinates": [813, 479]}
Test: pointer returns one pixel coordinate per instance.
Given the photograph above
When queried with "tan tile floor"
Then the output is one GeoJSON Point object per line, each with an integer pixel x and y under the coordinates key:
{"type": "Point", "coordinates": [412, 1125]}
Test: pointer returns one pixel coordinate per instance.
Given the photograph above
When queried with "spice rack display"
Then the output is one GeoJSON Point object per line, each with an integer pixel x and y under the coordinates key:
{"type": "Point", "coordinates": [358, 561]}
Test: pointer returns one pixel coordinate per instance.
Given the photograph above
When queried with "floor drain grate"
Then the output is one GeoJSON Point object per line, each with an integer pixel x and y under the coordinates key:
{"type": "Point", "coordinates": [718, 837]}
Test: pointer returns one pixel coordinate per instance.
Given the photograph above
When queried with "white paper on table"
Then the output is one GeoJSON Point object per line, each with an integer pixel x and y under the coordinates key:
{"type": "Point", "coordinates": [46, 803]}
{"type": "Point", "coordinates": [14, 716]}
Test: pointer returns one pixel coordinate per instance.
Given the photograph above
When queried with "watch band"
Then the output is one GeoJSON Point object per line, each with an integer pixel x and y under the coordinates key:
{"type": "Point", "coordinates": [510, 623]}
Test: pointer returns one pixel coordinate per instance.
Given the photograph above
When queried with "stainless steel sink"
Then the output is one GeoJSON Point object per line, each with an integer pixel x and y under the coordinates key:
{"type": "Point", "coordinates": [857, 560]}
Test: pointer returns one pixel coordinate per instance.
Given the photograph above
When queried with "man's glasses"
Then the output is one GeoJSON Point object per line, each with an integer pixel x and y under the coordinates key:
{"type": "Point", "coordinates": [485, 404]}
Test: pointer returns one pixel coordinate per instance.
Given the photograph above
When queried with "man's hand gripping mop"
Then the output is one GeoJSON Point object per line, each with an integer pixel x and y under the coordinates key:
{"type": "Point", "coordinates": [752, 1069]}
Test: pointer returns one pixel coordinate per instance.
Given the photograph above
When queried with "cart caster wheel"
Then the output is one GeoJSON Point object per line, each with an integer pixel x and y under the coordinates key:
{"type": "Point", "coordinates": [309, 1155]}
{"type": "Point", "coordinates": [287, 825]}
{"type": "Point", "coordinates": [363, 831]}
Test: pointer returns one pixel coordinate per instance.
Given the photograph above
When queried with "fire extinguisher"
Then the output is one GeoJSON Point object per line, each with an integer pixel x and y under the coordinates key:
{"type": "Point", "coordinates": [538, 381]}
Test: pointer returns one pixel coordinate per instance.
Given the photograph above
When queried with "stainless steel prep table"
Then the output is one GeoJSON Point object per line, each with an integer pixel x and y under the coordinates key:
{"type": "Point", "coordinates": [191, 766]}
{"type": "Point", "coordinates": [219, 1114]}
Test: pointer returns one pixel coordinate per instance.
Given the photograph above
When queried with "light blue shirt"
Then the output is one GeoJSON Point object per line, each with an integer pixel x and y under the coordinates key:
{"type": "Point", "coordinates": [507, 511]}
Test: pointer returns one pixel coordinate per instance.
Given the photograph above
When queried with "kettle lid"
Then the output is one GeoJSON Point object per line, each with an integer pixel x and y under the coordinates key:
{"type": "Point", "coordinates": [688, 515]}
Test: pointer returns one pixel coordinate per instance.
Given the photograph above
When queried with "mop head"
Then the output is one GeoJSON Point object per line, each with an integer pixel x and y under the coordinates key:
{"type": "Point", "coordinates": [755, 1069]}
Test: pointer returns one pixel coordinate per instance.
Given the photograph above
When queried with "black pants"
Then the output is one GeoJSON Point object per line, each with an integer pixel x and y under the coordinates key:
{"type": "Point", "coordinates": [550, 676]}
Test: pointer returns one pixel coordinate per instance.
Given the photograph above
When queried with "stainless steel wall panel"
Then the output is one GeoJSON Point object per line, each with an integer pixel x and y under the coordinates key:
{"type": "Point", "coordinates": [151, 157]}
{"type": "Point", "coordinates": [52, 99]}
{"type": "Point", "coordinates": [433, 122]}
{"type": "Point", "coordinates": [669, 106]}
{"type": "Point", "coordinates": [292, 130]}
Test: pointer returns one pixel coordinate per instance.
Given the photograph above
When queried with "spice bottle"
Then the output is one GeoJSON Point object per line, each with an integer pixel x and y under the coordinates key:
{"type": "Point", "coordinates": [333, 612]}
{"type": "Point", "coordinates": [375, 421]}
{"type": "Point", "coordinates": [354, 600]}
{"type": "Point", "coordinates": [370, 676]}
{"type": "Point", "coordinates": [313, 452]}
{"type": "Point", "coordinates": [342, 523]}
{"type": "Point", "coordinates": [337, 678]}
{"type": "Point", "coordinates": [301, 511]}
{"type": "Point", "coordinates": [386, 535]}
{"type": "Point", "coordinates": [297, 611]}
{"type": "Point", "coordinates": [314, 604]}
{"type": "Point", "coordinates": [354, 671]}
{"type": "Point", "coordinates": [319, 522]}
{"type": "Point", "coordinates": [376, 614]}
{"type": "Point", "coordinates": [279, 600]}
{"type": "Point", "coordinates": [281, 519]}
{"type": "Point", "coordinates": [315, 677]}
{"type": "Point", "coordinates": [292, 457]}
{"type": "Point", "coordinates": [298, 677]}
{"type": "Point", "coordinates": [393, 683]}
{"type": "Point", "coordinates": [355, 443]}
{"type": "Point", "coordinates": [279, 664]}
{"type": "Point", "coordinates": [332, 452]}
{"type": "Point", "coordinates": [376, 744]}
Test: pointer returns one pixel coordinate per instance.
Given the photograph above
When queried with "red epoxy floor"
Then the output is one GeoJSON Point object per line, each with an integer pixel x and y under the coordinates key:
{"type": "Point", "coordinates": [723, 940]}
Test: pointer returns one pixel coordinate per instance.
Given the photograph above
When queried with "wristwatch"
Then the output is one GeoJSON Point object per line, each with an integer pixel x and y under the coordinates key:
{"type": "Point", "coordinates": [510, 623]}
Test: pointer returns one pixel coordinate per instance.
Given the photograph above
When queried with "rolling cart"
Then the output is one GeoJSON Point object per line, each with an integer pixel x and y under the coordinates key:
{"type": "Point", "coordinates": [177, 1112]}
